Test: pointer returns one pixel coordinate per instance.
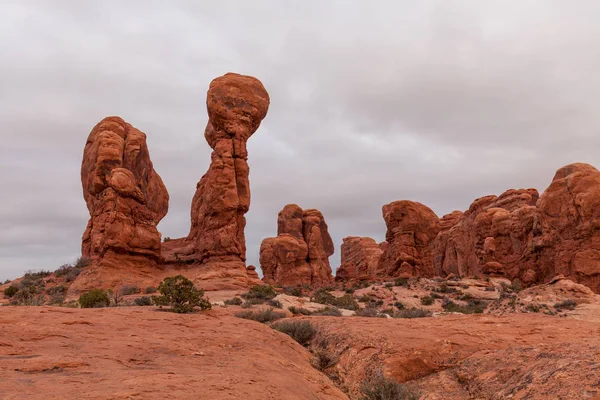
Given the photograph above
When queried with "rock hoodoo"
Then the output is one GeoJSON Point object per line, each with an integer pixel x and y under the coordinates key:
{"type": "Point", "coordinates": [411, 227]}
{"type": "Point", "coordinates": [125, 196]}
{"type": "Point", "coordinates": [360, 257]}
{"type": "Point", "coordinates": [214, 252]}
{"type": "Point", "coordinates": [300, 253]}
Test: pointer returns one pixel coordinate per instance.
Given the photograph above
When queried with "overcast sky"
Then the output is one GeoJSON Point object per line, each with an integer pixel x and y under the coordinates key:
{"type": "Point", "coordinates": [435, 101]}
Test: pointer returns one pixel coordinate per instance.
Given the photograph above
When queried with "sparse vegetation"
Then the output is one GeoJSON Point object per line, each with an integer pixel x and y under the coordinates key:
{"type": "Point", "coordinates": [328, 312]}
{"type": "Point", "coordinates": [446, 289]}
{"type": "Point", "coordinates": [532, 308]}
{"type": "Point", "coordinates": [413, 313]}
{"type": "Point", "coordinates": [166, 239]}
{"type": "Point", "coordinates": [516, 285]}
{"type": "Point", "coordinates": [400, 282]}
{"type": "Point", "coordinates": [275, 303]}
{"type": "Point", "coordinates": [10, 291]}
{"type": "Point", "coordinates": [265, 315]}
{"type": "Point", "coordinates": [568, 304]}
{"type": "Point", "coordinates": [60, 289]}
{"type": "Point", "coordinates": [128, 290]}
{"type": "Point", "coordinates": [293, 291]}
{"type": "Point", "coordinates": [150, 290]}
{"type": "Point", "coordinates": [82, 262]}
{"type": "Point", "coordinates": [260, 292]}
{"type": "Point", "coordinates": [181, 294]}
{"type": "Point", "coordinates": [346, 301]}
{"type": "Point", "coordinates": [380, 387]}
{"type": "Point", "coordinates": [472, 307]}
{"type": "Point", "coordinates": [236, 301]}
{"type": "Point", "coordinates": [399, 305]}
{"type": "Point", "coordinates": [301, 331]}
{"type": "Point", "coordinates": [94, 298]}
{"type": "Point", "coordinates": [299, 311]}
{"type": "Point", "coordinates": [143, 301]}
{"type": "Point", "coordinates": [367, 312]}
{"type": "Point", "coordinates": [426, 300]}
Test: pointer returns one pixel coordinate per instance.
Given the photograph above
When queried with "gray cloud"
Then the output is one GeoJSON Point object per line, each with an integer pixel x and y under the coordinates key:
{"type": "Point", "coordinates": [431, 101]}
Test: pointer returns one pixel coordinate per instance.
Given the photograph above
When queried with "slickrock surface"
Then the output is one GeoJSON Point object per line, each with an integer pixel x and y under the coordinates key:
{"type": "Point", "coordinates": [214, 252]}
{"type": "Point", "coordinates": [520, 356]}
{"type": "Point", "coordinates": [300, 253]}
{"type": "Point", "coordinates": [141, 353]}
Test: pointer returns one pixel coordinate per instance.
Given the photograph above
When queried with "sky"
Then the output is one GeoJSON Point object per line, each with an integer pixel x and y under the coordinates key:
{"type": "Point", "coordinates": [434, 101]}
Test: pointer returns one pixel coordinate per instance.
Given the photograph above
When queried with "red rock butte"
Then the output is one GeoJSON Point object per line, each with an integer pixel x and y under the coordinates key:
{"type": "Point", "coordinates": [299, 255]}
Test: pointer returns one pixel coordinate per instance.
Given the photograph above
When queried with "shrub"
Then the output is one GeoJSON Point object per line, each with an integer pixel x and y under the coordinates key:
{"type": "Point", "coordinates": [365, 298]}
{"type": "Point", "coordinates": [490, 289]}
{"type": "Point", "coordinates": [37, 274]}
{"type": "Point", "coordinates": [252, 302]}
{"type": "Point", "coordinates": [323, 360]}
{"type": "Point", "coordinates": [446, 289]}
{"type": "Point", "coordinates": [293, 291]}
{"type": "Point", "coordinates": [56, 299]}
{"type": "Point", "coordinates": [466, 297]}
{"type": "Point", "coordinates": [143, 301]}
{"type": "Point", "coordinates": [62, 270]}
{"type": "Point", "coordinates": [328, 312]}
{"type": "Point", "coordinates": [128, 289]}
{"type": "Point", "coordinates": [181, 294]}
{"type": "Point", "coordinates": [400, 282]}
{"type": "Point", "coordinates": [434, 295]}
{"type": "Point", "coordinates": [61, 289]}
{"type": "Point", "coordinates": [388, 285]}
{"type": "Point", "coordinates": [275, 303]}
{"type": "Point", "coordinates": [362, 284]}
{"type": "Point", "coordinates": [150, 290]}
{"type": "Point", "coordinates": [379, 387]}
{"type": "Point", "coordinates": [399, 305]}
{"type": "Point", "coordinates": [532, 308]}
{"type": "Point", "coordinates": [367, 312]}
{"type": "Point", "coordinates": [301, 331]}
{"type": "Point", "coordinates": [322, 296]}
{"type": "Point", "coordinates": [350, 290]}
{"type": "Point", "coordinates": [236, 301]}
{"type": "Point", "coordinates": [27, 297]}
{"type": "Point", "coordinates": [262, 292]}
{"type": "Point", "coordinates": [568, 304]}
{"type": "Point", "coordinates": [166, 239]}
{"type": "Point", "coordinates": [413, 313]}
{"type": "Point", "coordinates": [473, 307]}
{"type": "Point", "coordinates": [516, 285]}
{"type": "Point", "coordinates": [388, 311]}
{"type": "Point", "coordinates": [10, 291]}
{"type": "Point", "coordinates": [94, 298]}
{"type": "Point", "coordinates": [263, 316]}
{"type": "Point", "coordinates": [82, 262]}
{"type": "Point", "coordinates": [299, 310]}
{"type": "Point", "coordinates": [7, 281]}
{"type": "Point", "coordinates": [72, 274]}
{"type": "Point", "coordinates": [426, 300]}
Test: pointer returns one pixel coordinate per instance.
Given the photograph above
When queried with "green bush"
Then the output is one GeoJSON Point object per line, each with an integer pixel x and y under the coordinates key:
{"type": "Point", "coordinates": [181, 294]}
{"type": "Point", "coordinates": [473, 307]}
{"type": "Point", "coordinates": [293, 291]}
{"type": "Point", "coordinates": [143, 301]}
{"type": "Point", "coordinates": [236, 301]}
{"type": "Point", "coordinates": [263, 316]}
{"type": "Point", "coordinates": [62, 270]}
{"type": "Point", "coordinates": [72, 274]}
{"type": "Point", "coordinates": [399, 305]}
{"type": "Point", "coordinates": [532, 308]}
{"type": "Point", "coordinates": [379, 387]}
{"type": "Point", "coordinates": [301, 331]}
{"type": "Point", "coordinates": [568, 304]}
{"type": "Point", "coordinates": [82, 262]}
{"type": "Point", "coordinates": [426, 300]}
{"type": "Point", "coordinates": [37, 274]}
{"type": "Point", "coordinates": [10, 291]}
{"type": "Point", "coordinates": [94, 298]}
{"type": "Point", "coordinates": [275, 303]}
{"type": "Point", "coordinates": [60, 289]}
{"type": "Point", "coordinates": [150, 290]}
{"type": "Point", "coordinates": [262, 292]}
{"type": "Point", "coordinates": [400, 282]}
{"type": "Point", "coordinates": [413, 313]}
{"type": "Point", "coordinates": [388, 285]}
{"type": "Point", "coordinates": [322, 296]}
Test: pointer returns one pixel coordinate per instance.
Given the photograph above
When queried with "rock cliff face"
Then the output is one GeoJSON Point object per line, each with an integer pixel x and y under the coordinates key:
{"type": "Point", "coordinates": [125, 196]}
{"type": "Point", "coordinates": [214, 252]}
{"type": "Point", "coordinates": [518, 234]}
{"type": "Point", "coordinates": [411, 227]}
{"type": "Point", "coordinates": [360, 257]}
{"type": "Point", "coordinates": [300, 253]}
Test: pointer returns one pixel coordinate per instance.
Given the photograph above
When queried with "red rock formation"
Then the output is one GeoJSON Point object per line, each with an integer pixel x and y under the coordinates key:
{"type": "Point", "coordinates": [569, 223]}
{"type": "Point", "coordinates": [360, 257]}
{"type": "Point", "coordinates": [411, 227]}
{"type": "Point", "coordinates": [493, 237]}
{"type": "Point", "coordinates": [300, 252]}
{"type": "Point", "coordinates": [125, 196]}
{"type": "Point", "coordinates": [215, 249]}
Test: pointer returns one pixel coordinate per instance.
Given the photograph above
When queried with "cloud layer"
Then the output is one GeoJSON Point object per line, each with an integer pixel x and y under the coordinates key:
{"type": "Point", "coordinates": [435, 101]}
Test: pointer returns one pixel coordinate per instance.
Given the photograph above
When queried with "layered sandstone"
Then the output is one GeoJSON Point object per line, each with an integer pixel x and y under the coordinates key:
{"type": "Point", "coordinates": [359, 259]}
{"type": "Point", "coordinates": [125, 196]}
{"type": "Point", "coordinates": [214, 252]}
{"type": "Point", "coordinates": [411, 227]}
{"type": "Point", "coordinates": [299, 255]}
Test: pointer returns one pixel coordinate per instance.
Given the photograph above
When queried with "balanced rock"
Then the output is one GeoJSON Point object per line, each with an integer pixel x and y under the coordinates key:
{"type": "Point", "coordinates": [214, 251]}
{"type": "Point", "coordinates": [360, 257]}
{"type": "Point", "coordinates": [300, 253]}
{"type": "Point", "coordinates": [125, 196]}
{"type": "Point", "coordinates": [411, 228]}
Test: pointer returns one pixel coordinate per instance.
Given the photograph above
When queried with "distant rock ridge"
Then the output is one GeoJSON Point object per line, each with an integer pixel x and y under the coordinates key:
{"type": "Point", "coordinates": [518, 235]}
{"type": "Point", "coordinates": [299, 255]}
